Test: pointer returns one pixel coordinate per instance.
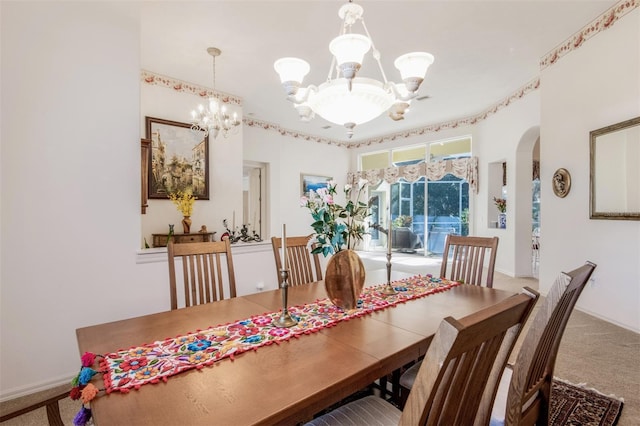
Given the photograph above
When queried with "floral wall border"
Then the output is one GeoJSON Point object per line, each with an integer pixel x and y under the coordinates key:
{"type": "Point", "coordinates": [154, 79]}
{"type": "Point", "coordinates": [459, 122]}
{"type": "Point", "coordinates": [601, 23]}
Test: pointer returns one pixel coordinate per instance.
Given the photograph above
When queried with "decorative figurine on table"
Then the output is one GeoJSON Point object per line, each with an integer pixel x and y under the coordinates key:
{"type": "Point", "coordinates": [243, 235]}
{"type": "Point", "coordinates": [170, 234]}
{"type": "Point", "coordinates": [231, 234]}
{"type": "Point", "coordinates": [203, 230]}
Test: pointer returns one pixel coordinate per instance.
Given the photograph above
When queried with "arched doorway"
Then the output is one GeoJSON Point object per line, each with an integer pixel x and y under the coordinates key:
{"type": "Point", "coordinates": [528, 146]}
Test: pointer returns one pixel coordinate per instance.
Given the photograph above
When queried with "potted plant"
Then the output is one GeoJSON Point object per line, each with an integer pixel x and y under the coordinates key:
{"type": "Point", "coordinates": [338, 229]}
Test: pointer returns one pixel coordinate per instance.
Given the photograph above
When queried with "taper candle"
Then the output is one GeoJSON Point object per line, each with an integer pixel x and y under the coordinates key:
{"type": "Point", "coordinates": [284, 246]}
{"type": "Point", "coordinates": [389, 232]}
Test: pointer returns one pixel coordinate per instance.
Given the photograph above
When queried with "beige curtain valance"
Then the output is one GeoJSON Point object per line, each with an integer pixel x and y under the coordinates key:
{"type": "Point", "coordinates": [464, 168]}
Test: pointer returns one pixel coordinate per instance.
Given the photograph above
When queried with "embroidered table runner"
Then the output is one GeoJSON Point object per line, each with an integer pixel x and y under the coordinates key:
{"type": "Point", "coordinates": [124, 370]}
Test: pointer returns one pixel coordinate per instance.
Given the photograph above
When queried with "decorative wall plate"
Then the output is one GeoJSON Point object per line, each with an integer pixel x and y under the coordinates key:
{"type": "Point", "coordinates": [561, 183]}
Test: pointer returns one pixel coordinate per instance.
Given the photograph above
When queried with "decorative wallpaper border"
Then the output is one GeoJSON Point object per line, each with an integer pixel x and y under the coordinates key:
{"type": "Point", "coordinates": [154, 79]}
{"type": "Point", "coordinates": [603, 22]}
{"type": "Point", "coordinates": [265, 125]}
{"type": "Point", "coordinates": [459, 122]}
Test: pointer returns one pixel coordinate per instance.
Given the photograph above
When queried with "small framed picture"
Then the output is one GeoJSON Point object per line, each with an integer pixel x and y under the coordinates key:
{"type": "Point", "coordinates": [312, 183]}
{"type": "Point", "coordinates": [179, 159]}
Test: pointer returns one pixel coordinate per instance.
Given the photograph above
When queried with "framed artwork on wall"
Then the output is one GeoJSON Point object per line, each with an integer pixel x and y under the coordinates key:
{"type": "Point", "coordinates": [178, 159]}
{"type": "Point", "coordinates": [312, 183]}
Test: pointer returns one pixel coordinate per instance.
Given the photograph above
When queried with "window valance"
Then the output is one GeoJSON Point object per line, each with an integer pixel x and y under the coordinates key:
{"type": "Point", "coordinates": [464, 168]}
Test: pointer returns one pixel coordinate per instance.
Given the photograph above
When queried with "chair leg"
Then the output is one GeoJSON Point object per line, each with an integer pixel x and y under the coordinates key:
{"type": "Point", "coordinates": [404, 394]}
{"type": "Point", "coordinates": [53, 414]}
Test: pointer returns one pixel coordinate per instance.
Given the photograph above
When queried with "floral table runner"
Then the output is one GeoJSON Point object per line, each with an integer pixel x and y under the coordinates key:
{"type": "Point", "coordinates": [128, 369]}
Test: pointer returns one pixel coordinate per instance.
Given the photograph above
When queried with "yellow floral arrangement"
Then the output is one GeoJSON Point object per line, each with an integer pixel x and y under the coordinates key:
{"type": "Point", "coordinates": [184, 201]}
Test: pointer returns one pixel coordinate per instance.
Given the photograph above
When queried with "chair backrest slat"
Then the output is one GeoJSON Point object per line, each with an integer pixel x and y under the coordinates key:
{"type": "Point", "coordinates": [464, 359]}
{"type": "Point", "coordinates": [202, 272]}
{"type": "Point", "coordinates": [299, 259]}
{"type": "Point", "coordinates": [468, 256]}
{"type": "Point", "coordinates": [535, 363]}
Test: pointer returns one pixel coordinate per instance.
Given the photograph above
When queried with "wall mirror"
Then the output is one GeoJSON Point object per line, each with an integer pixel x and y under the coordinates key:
{"type": "Point", "coordinates": [615, 171]}
{"type": "Point", "coordinates": [254, 196]}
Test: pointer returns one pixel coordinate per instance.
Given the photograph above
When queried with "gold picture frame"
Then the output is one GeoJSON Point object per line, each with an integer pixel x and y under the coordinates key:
{"type": "Point", "coordinates": [178, 159]}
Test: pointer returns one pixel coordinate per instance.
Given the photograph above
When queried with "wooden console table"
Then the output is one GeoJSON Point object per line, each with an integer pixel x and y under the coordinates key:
{"type": "Point", "coordinates": [160, 240]}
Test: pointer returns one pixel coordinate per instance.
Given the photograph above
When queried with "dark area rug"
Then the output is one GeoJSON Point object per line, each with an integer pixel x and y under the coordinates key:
{"type": "Point", "coordinates": [577, 405]}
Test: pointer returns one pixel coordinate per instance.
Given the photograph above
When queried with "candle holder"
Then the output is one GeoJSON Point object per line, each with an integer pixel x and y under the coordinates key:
{"type": "Point", "coordinates": [388, 290]}
{"type": "Point", "coordinates": [285, 320]}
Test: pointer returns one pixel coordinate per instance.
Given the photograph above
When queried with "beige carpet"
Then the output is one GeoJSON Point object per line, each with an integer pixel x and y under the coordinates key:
{"type": "Point", "coordinates": [593, 352]}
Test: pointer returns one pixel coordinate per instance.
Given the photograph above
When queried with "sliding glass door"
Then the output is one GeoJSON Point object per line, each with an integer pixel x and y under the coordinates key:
{"type": "Point", "coordinates": [447, 205]}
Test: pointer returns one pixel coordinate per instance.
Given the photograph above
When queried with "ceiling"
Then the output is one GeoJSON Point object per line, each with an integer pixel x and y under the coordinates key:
{"type": "Point", "coordinates": [484, 50]}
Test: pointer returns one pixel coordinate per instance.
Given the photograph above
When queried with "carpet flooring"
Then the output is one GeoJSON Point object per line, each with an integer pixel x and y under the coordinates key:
{"type": "Point", "coordinates": [577, 405]}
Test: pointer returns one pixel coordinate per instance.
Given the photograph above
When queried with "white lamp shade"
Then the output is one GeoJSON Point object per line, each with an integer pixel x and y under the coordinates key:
{"type": "Point", "coordinates": [291, 69]}
{"type": "Point", "coordinates": [366, 101]}
{"type": "Point", "coordinates": [414, 64]}
{"type": "Point", "coordinates": [349, 48]}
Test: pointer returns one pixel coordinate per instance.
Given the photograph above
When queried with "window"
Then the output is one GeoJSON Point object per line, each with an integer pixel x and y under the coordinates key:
{"type": "Point", "coordinates": [376, 160]}
{"type": "Point", "coordinates": [446, 150]}
{"type": "Point", "coordinates": [430, 209]}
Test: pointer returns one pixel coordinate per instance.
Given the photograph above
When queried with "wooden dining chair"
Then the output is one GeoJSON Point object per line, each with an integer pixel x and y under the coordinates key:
{"type": "Point", "coordinates": [458, 377]}
{"type": "Point", "coordinates": [525, 387]}
{"type": "Point", "coordinates": [299, 258]}
{"type": "Point", "coordinates": [202, 272]}
{"type": "Point", "coordinates": [468, 255]}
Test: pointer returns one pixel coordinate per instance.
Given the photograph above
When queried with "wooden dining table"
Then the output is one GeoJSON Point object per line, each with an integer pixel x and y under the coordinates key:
{"type": "Point", "coordinates": [277, 384]}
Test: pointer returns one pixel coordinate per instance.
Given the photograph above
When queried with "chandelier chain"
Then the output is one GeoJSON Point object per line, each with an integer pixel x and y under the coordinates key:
{"type": "Point", "coordinates": [375, 52]}
{"type": "Point", "coordinates": [214, 76]}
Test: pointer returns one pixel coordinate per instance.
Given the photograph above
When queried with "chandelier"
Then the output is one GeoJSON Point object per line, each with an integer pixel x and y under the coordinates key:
{"type": "Point", "coordinates": [214, 118]}
{"type": "Point", "coordinates": [346, 99]}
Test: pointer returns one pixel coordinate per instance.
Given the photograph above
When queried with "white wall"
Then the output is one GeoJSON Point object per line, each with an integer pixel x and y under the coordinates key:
{"type": "Point", "coordinates": [70, 182]}
{"type": "Point", "coordinates": [589, 88]}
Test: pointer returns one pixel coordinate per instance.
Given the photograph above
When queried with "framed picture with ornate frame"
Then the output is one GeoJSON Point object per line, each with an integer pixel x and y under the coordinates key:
{"type": "Point", "coordinates": [178, 159]}
{"type": "Point", "coordinates": [312, 183]}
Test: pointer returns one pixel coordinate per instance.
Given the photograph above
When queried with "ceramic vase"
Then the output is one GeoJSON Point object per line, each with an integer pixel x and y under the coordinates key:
{"type": "Point", "coordinates": [344, 279]}
{"type": "Point", "coordinates": [502, 221]}
{"type": "Point", "coordinates": [186, 224]}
